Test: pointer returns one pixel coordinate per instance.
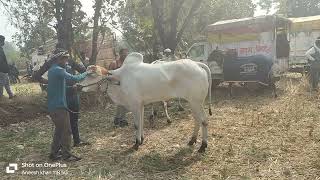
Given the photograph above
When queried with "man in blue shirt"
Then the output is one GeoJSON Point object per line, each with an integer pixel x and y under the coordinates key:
{"type": "Point", "coordinates": [57, 107]}
{"type": "Point", "coordinates": [73, 100]}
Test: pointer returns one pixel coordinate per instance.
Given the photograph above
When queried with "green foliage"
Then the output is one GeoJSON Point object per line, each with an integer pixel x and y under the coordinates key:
{"type": "Point", "coordinates": [36, 22]}
{"type": "Point", "coordinates": [293, 8]}
{"type": "Point", "coordinates": [32, 18]}
{"type": "Point", "coordinates": [137, 22]}
{"type": "Point", "coordinates": [12, 54]}
{"type": "Point", "coordinates": [212, 11]}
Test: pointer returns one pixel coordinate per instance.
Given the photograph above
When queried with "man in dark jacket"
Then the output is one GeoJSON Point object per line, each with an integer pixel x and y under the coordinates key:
{"type": "Point", "coordinates": [73, 102]}
{"type": "Point", "coordinates": [4, 70]}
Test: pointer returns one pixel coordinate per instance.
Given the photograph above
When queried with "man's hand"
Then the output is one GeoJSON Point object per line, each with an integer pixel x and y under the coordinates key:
{"type": "Point", "coordinates": [78, 87]}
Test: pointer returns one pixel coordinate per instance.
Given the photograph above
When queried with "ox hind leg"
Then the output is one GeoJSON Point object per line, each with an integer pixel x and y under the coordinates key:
{"type": "Point", "coordinates": [138, 125]}
{"type": "Point", "coordinates": [152, 117]}
{"type": "Point", "coordinates": [274, 89]}
{"type": "Point", "coordinates": [180, 107]}
{"type": "Point", "coordinates": [165, 107]}
{"type": "Point", "coordinates": [199, 120]}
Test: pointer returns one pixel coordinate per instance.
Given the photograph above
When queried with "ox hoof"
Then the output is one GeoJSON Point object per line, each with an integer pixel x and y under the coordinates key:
{"type": "Point", "coordinates": [192, 141]}
{"type": "Point", "coordinates": [142, 139]}
{"type": "Point", "coordinates": [135, 147]}
{"type": "Point", "coordinates": [137, 144]}
{"type": "Point", "coordinates": [169, 121]}
{"type": "Point", "coordinates": [203, 147]}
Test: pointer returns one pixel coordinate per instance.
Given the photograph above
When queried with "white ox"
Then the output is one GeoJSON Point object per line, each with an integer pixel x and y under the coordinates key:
{"type": "Point", "coordinates": [142, 83]}
{"type": "Point", "coordinates": [165, 103]}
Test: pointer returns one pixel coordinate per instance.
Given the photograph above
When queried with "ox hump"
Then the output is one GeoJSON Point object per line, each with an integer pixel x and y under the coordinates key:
{"type": "Point", "coordinates": [133, 58]}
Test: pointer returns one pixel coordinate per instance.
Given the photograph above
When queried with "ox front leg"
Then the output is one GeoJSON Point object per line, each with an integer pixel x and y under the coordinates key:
{"type": "Point", "coordinates": [200, 119]}
{"type": "Point", "coordinates": [138, 125]}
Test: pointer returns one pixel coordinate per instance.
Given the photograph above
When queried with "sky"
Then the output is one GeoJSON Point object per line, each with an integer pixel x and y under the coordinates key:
{"type": "Point", "coordinates": [8, 30]}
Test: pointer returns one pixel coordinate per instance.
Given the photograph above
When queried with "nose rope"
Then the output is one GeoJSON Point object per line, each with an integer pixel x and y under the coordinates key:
{"type": "Point", "coordinates": [99, 83]}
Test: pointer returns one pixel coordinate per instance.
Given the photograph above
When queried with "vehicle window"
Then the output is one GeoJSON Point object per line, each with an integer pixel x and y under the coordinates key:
{"type": "Point", "coordinates": [197, 51]}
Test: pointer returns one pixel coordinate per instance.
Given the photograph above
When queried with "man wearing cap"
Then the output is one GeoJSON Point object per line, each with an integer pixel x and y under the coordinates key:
{"type": "Point", "coordinates": [4, 70]}
{"type": "Point", "coordinates": [119, 119]}
{"type": "Point", "coordinates": [57, 106]}
{"type": "Point", "coordinates": [72, 96]}
{"type": "Point", "coordinates": [313, 56]}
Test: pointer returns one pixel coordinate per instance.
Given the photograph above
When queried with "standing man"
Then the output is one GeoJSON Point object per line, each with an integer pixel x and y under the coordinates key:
{"type": "Point", "coordinates": [313, 56]}
{"type": "Point", "coordinates": [29, 68]}
{"type": "Point", "coordinates": [14, 73]}
{"type": "Point", "coordinates": [57, 107]}
{"type": "Point", "coordinates": [72, 96]}
{"type": "Point", "coordinates": [73, 102]}
{"type": "Point", "coordinates": [4, 70]}
{"type": "Point", "coordinates": [121, 111]}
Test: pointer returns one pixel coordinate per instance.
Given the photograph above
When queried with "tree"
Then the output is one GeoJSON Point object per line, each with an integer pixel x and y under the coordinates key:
{"type": "Point", "coordinates": [215, 10]}
{"type": "Point", "coordinates": [41, 20]}
{"type": "Point", "coordinates": [293, 8]}
{"type": "Point", "coordinates": [140, 30]}
{"type": "Point", "coordinates": [105, 12]}
{"type": "Point", "coordinates": [63, 15]}
{"type": "Point", "coordinates": [136, 22]}
{"type": "Point", "coordinates": [31, 18]}
{"type": "Point", "coordinates": [11, 52]}
{"type": "Point", "coordinates": [95, 33]}
{"type": "Point", "coordinates": [171, 23]}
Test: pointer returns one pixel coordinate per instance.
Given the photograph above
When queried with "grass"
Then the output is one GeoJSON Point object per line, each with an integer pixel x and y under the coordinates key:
{"type": "Point", "coordinates": [250, 137]}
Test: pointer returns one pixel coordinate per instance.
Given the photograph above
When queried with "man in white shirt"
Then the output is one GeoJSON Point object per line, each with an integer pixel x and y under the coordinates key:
{"type": "Point", "coordinates": [313, 55]}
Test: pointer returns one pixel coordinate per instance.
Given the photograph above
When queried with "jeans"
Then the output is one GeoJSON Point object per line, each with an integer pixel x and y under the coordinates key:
{"type": "Point", "coordinates": [62, 132]}
{"type": "Point", "coordinates": [4, 82]}
{"type": "Point", "coordinates": [73, 105]}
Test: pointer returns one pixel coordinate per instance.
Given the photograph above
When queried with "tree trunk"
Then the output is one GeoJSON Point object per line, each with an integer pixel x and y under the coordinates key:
{"type": "Point", "coordinates": [63, 15]}
{"type": "Point", "coordinates": [95, 33]}
{"type": "Point", "coordinates": [67, 24]}
{"type": "Point", "coordinates": [173, 37]}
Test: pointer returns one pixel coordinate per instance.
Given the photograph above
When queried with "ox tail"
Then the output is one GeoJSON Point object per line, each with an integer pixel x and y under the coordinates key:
{"type": "Point", "coordinates": [207, 69]}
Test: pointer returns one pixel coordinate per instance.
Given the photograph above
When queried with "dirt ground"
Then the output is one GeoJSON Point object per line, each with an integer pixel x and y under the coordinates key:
{"type": "Point", "coordinates": [28, 105]}
{"type": "Point", "coordinates": [251, 136]}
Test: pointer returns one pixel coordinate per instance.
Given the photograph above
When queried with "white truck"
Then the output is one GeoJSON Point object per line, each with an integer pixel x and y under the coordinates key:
{"type": "Point", "coordinates": [303, 33]}
{"type": "Point", "coordinates": [249, 40]}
